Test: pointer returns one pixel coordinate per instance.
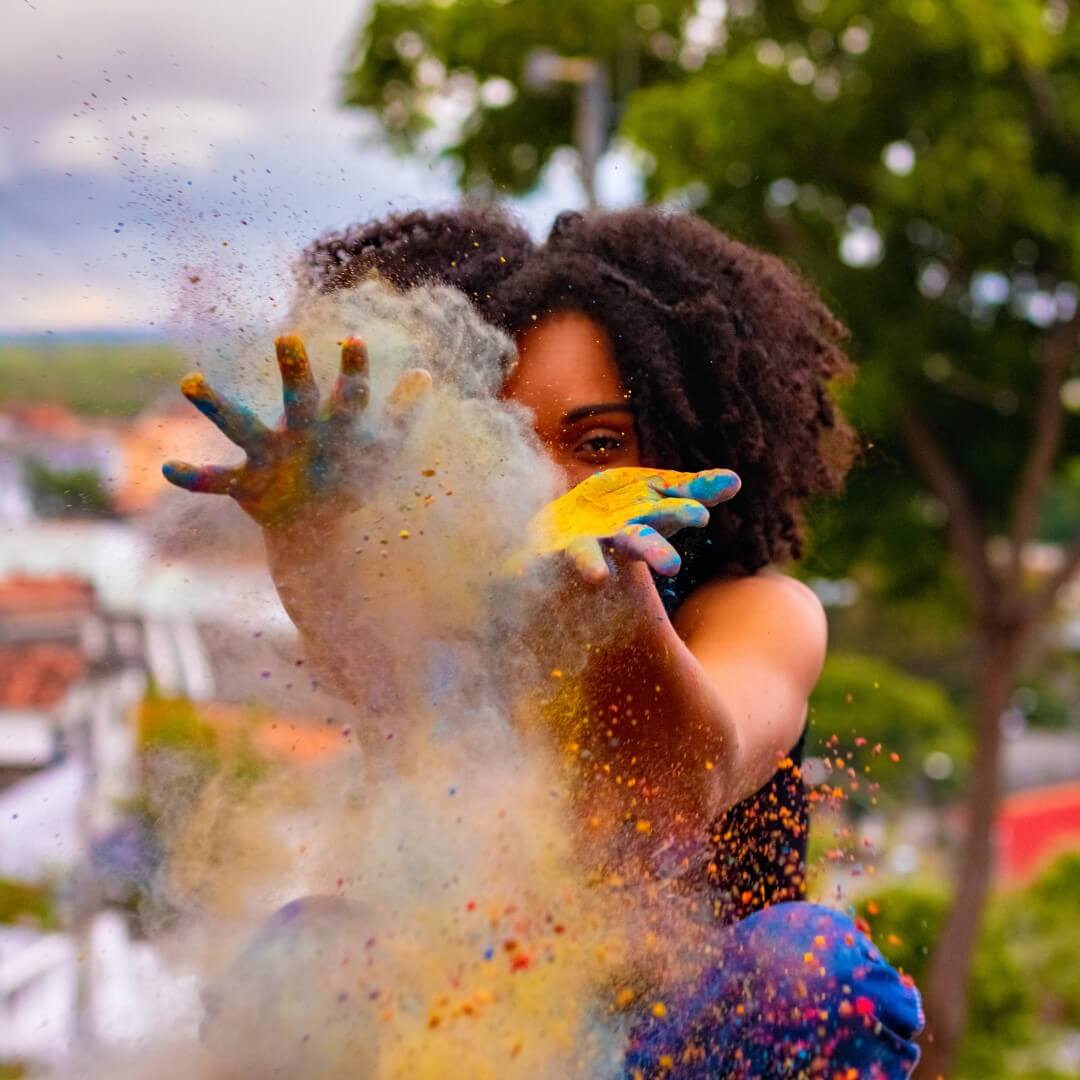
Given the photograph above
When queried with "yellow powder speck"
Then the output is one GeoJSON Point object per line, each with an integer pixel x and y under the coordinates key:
{"type": "Point", "coordinates": [659, 1010]}
{"type": "Point", "coordinates": [404, 534]}
{"type": "Point", "coordinates": [624, 997]}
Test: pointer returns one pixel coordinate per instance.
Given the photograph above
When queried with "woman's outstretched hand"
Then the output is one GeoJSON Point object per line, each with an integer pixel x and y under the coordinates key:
{"type": "Point", "coordinates": [629, 512]}
{"type": "Point", "coordinates": [301, 466]}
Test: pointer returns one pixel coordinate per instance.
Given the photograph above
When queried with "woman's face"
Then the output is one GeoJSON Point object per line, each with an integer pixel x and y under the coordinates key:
{"type": "Point", "coordinates": [567, 377]}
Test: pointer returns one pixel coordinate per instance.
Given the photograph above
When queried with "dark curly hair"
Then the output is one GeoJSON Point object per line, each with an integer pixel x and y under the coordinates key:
{"type": "Point", "coordinates": [729, 355]}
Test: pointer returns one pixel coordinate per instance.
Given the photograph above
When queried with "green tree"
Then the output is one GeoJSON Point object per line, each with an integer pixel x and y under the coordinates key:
{"type": "Point", "coordinates": [902, 736]}
{"type": "Point", "coordinates": [1025, 985]}
{"type": "Point", "coordinates": [118, 379]}
{"type": "Point", "coordinates": [66, 492]}
{"type": "Point", "coordinates": [456, 72]}
{"type": "Point", "coordinates": [920, 160]}
{"type": "Point", "coordinates": [22, 902]}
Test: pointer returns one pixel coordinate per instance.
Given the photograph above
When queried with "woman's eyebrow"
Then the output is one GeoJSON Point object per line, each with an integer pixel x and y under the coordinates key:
{"type": "Point", "coordinates": [583, 411]}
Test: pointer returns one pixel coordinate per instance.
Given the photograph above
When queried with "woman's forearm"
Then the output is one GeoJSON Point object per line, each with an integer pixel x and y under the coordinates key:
{"type": "Point", "coordinates": [308, 562]}
{"type": "Point", "coordinates": [657, 719]}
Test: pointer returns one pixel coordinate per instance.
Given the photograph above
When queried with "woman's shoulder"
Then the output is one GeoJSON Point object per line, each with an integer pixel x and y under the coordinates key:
{"type": "Point", "coordinates": [769, 607]}
{"type": "Point", "coordinates": [769, 589]}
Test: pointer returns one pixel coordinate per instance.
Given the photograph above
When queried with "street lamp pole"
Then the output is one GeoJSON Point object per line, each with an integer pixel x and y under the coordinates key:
{"type": "Point", "coordinates": [592, 116]}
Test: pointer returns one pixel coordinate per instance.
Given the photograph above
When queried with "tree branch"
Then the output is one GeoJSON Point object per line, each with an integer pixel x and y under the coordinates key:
{"type": "Point", "coordinates": [1047, 115]}
{"type": "Point", "coordinates": [1058, 350]}
{"type": "Point", "coordinates": [1042, 600]}
{"type": "Point", "coordinates": [965, 529]}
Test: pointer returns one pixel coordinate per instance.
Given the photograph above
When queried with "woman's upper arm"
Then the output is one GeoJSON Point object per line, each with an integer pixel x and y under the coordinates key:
{"type": "Point", "coordinates": [761, 641]}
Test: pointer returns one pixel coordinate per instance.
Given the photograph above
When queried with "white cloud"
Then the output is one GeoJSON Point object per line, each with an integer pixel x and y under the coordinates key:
{"type": "Point", "coordinates": [182, 135]}
{"type": "Point", "coordinates": [142, 138]}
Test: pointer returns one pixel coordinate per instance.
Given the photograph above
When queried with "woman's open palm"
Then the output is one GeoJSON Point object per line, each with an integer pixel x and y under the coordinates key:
{"type": "Point", "coordinates": [629, 512]}
{"type": "Point", "coordinates": [302, 465]}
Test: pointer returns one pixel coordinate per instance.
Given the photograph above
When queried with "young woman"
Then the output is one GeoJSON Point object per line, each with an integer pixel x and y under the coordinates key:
{"type": "Point", "coordinates": [648, 338]}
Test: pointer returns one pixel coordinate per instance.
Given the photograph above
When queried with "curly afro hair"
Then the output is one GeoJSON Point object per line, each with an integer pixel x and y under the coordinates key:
{"type": "Point", "coordinates": [728, 354]}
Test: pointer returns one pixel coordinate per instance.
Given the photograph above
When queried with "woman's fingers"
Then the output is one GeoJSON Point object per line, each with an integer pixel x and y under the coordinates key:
{"type": "Point", "coordinates": [587, 557]}
{"type": "Point", "coordinates": [298, 389]}
{"type": "Point", "coordinates": [236, 422]}
{"type": "Point", "coordinates": [350, 393]}
{"type": "Point", "coordinates": [644, 543]}
{"type": "Point", "coordinates": [669, 516]}
{"type": "Point", "coordinates": [205, 479]}
{"type": "Point", "coordinates": [708, 488]}
{"type": "Point", "coordinates": [409, 391]}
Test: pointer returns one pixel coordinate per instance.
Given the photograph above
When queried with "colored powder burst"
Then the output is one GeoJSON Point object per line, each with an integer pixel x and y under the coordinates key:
{"type": "Point", "coordinates": [451, 915]}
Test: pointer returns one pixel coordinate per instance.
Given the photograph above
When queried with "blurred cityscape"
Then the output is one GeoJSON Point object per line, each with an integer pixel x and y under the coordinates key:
{"type": "Point", "coordinates": [129, 618]}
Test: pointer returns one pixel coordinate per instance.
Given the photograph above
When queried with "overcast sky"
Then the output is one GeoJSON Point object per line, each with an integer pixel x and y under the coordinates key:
{"type": "Point", "coordinates": [140, 138]}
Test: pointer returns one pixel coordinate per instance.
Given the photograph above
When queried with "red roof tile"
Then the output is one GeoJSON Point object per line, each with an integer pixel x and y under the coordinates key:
{"type": "Point", "coordinates": [24, 594]}
{"type": "Point", "coordinates": [36, 676]}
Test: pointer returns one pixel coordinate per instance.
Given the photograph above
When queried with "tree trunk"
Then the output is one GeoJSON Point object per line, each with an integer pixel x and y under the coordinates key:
{"type": "Point", "coordinates": [996, 662]}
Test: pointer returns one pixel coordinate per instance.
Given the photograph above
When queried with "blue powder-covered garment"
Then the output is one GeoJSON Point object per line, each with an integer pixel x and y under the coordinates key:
{"type": "Point", "coordinates": [798, 991]}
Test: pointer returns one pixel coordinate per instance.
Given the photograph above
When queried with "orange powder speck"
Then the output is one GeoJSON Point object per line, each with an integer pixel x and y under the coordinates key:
{"type": "Point", "coordinates": [659, 1010]}
{"type": "Point", "coordinates": [556, 673]}
{"type": "Point", "coordinates": [644, 826]}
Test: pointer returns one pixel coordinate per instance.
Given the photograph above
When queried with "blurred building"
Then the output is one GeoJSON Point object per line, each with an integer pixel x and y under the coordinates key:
{"type": "Point", "coordinates": [72, 673]}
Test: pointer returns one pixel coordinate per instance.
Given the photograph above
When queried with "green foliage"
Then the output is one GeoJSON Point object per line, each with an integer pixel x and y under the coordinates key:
{"type": "Point", "coordinates": [1025, 984]}
{"type": "Point", "coordinates": [99, 380]}
{"type": "Point", "coordinates": [413, 58]}
{"type": "Point", "coordinates": [864, 710]}
{"type": "Point", "coordinates": [1046, 918]}
{"type": "Point", "coordinates": [174, 723]}
{"type": "Point", "coordinates": [21, 902]}
{"type": "Point", "coordinates": [174, 727]}
{"type": "Point", "coordinates": [1061, 513]}
{"type": "Point", "coordinates": [979, 116]}
{"type": "Point", "coordinates": [66, 492]}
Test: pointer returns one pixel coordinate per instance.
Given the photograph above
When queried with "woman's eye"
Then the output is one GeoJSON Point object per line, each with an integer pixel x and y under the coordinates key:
{"type": "Point", "coordinates": [600, 446]}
